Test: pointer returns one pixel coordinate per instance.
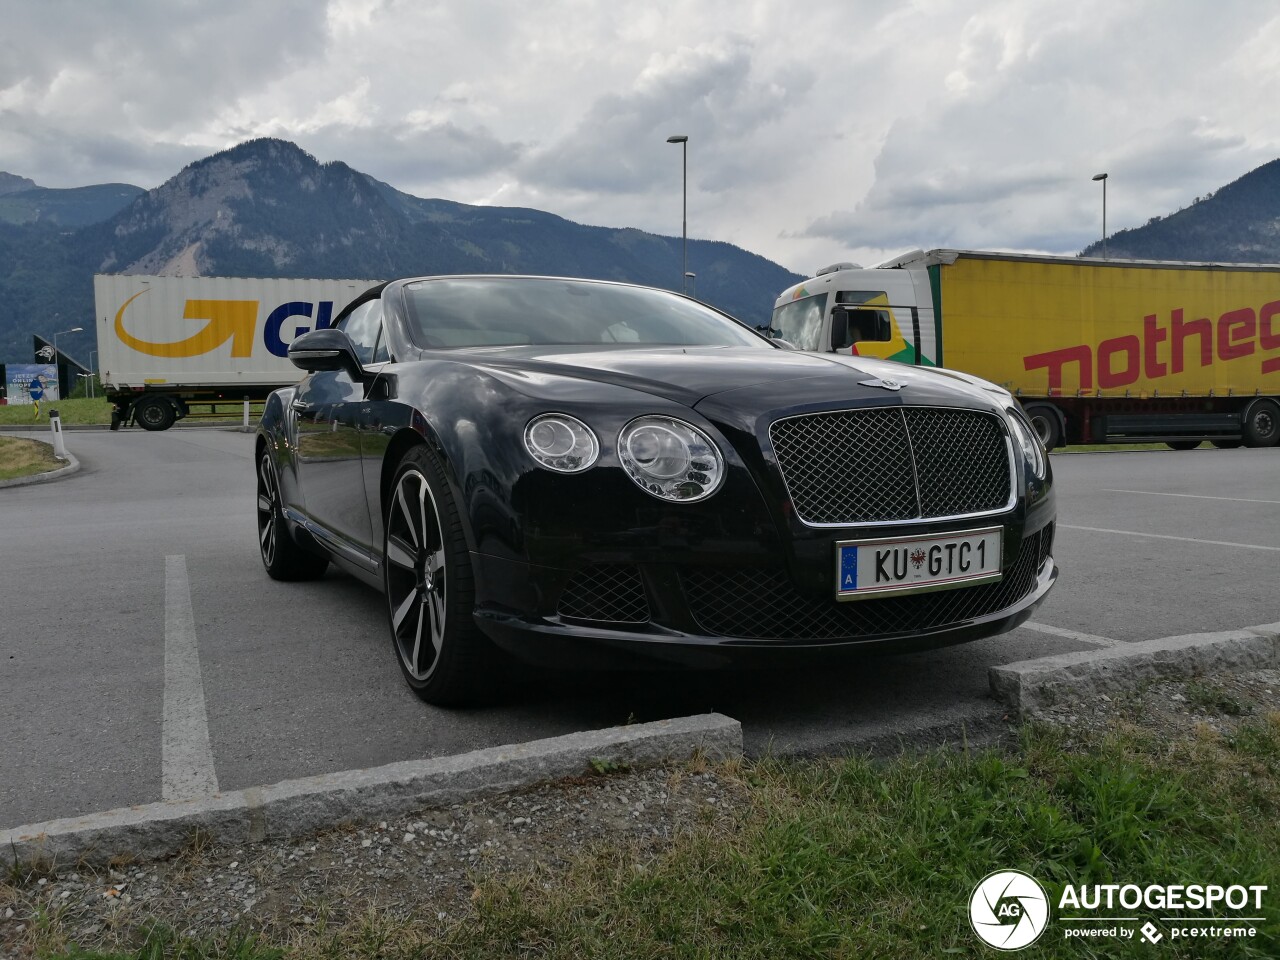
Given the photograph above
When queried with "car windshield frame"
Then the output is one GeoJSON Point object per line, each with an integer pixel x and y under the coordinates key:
{"type": "Point", "coordinates": [470, 312]}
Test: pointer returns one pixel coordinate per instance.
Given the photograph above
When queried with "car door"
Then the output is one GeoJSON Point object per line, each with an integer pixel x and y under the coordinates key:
{"type": "Point", "coordinates": [329, 418]}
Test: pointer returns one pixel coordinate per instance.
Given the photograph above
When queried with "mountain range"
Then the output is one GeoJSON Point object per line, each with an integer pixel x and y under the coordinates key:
{"type": "Point", "coordinates": [266, 208]}
{"type": "Point", "coordinates": [1239, 223]}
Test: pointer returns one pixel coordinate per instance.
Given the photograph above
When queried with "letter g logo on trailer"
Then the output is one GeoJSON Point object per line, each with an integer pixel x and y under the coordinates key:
{"type": "Point", "coordinates": [232, 320]}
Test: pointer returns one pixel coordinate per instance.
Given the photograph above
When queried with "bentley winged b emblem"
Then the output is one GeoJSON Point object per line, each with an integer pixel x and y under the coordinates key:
{"type": "Point", "coordinates": [893, 385]}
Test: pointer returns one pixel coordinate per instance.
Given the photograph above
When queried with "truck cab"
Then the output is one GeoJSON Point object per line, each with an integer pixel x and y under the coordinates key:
{"type": "Point", "coordinates": [864, 312]}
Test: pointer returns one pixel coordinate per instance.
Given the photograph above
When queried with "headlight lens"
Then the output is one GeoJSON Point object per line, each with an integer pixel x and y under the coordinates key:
{"type": "Point", "coordinates": [1025, 434]}
{"type": "Point", "coordinates": [670, 459]}
{"type": "Point", "coordinates": [561, 443]}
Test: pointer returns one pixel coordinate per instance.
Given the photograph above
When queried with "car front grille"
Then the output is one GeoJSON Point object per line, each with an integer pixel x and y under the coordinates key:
{"type": "Point", "coordinates": [605, 593]}
{"type": "Point", "coordinates": [762, 604]}
{"type": "Point", "coordinates": [889, 464]}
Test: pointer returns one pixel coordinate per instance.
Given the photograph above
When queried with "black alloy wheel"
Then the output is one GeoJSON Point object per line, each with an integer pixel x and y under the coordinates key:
{"type": "Point", "coordinates": [281, 556]}
{"type": "Point", "coordinates": [429, 587]}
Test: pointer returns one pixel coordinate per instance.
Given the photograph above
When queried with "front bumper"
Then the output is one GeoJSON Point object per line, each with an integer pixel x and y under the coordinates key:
{"type": "Point", "coordinates": [628, 614]}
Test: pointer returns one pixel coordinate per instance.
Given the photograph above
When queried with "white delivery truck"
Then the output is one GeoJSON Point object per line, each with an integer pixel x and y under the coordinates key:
{"type": "Point", "coordinates": [173, 347]}
{"type": "Point", "coordinates": [1096, 350]}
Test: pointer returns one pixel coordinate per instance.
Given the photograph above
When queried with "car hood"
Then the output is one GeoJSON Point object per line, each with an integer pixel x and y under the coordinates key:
{"type": "Point", "coordinates": [689, 375]}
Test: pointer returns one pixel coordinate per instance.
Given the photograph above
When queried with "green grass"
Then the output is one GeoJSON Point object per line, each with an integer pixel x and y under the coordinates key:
{"type": "Point", "coordinates": [24, 458]}
{"type": "Point", "coordinates": [871, 858]}
{"type": "Point", "coordinates": [79, 411]}
{"type": "Point", "coordinates": [858, 858]}
{"type": "Point", "coordinates": [163, 944]}
{"type": "Point", "coordinates": [82, 410]}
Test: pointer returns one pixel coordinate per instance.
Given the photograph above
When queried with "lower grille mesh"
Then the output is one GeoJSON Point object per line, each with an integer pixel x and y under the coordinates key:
{"type": "Point", "coordinates": [605, 593]}
{"type": "Point", "coordinates": [762, 604]}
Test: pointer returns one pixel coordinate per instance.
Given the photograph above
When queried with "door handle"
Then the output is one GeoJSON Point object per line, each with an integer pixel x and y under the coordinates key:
{"type": "Point", "coordinates": [299, 405]}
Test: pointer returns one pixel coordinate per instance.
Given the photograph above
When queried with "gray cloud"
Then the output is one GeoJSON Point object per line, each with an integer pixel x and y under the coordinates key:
{"type": "Point", "coordinates": [854, 129]}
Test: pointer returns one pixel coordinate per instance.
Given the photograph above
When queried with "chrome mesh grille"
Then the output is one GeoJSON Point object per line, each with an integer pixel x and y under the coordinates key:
{"type": "Point", "coordinates": [605, 593]}
{"type": "Point", "coordinates": [898, 463]}
{"type": "Point", "coordinates": [762, 604]}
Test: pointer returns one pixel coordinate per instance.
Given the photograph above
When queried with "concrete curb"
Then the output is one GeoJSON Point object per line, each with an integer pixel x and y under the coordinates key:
{"type": "Point", "coordinates": [1031, 685]}
{"type": "Point", "coordinates": [294, 807]}
{"type": "Point", "coordinates": [73, 465]}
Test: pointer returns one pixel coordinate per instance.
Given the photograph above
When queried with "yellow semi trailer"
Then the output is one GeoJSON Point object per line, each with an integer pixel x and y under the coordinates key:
{"type": "Point", "coordinates": [1096, 350]}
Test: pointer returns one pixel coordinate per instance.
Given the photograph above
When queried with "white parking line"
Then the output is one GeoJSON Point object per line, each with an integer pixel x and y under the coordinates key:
{"type": "Point", "coordinates": [1165, 536]}
{"type": "Point", "coordinates": [1073, 635]}
{"type": "Point", "coordinates": [1191, 496]}
{"type": "Point", "coordinates": [186, 757]}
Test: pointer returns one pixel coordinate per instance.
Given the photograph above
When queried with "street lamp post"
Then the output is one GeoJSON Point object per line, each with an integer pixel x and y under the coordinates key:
{"type": "Point", "coordinates": [1103, 178]}
{"type": "Point", "coordinates": [56, 372]}
{"type": "Point", "coordinates": [693, 281]}
{"type": "Point", "coordinates": [684, 207]}
{"type": "Point", "coordinates": [93, 369]}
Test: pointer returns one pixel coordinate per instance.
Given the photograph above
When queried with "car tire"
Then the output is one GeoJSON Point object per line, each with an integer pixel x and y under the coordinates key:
{"type": "Point", "coordinates": [430, 590]}
{"type": "Point", "coordinates": [1262, 424]}
{"type": "Point", "coordinates": [1227, 444]}
{"type": "Point", "coordinates": [1182, 444]}
{"type": "Point", "coordinates": [155, 414]}
{"type": "Point", "coordinates": [1044, 420]}
{"type": "Point", "coordinates": [281, 555]}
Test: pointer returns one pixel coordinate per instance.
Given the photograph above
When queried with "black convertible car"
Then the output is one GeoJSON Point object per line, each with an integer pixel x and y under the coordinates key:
{"type": "Point", "coordinates": [595, 473]}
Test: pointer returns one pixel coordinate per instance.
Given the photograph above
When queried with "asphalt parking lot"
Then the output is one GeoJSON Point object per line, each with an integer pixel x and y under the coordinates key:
{"type": "Point", "coordinates": [144, 653]}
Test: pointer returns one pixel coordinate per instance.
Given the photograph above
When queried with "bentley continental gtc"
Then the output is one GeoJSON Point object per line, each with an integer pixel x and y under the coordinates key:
{"type": "Point", "coordinates": [587, 473]}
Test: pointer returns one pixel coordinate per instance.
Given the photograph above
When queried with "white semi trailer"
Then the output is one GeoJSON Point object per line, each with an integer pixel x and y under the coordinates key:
{"type": "Point", "coordinates": [173, 347]}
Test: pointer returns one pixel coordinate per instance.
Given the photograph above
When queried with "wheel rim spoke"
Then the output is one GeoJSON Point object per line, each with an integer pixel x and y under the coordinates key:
{"type": "Point", "coordinates": [415, 662]}
{"type": "Point", "coordinates": [400, 553]}
{"type": "Point", "coordinates": [397, 617]}
{"type": "Point", "coordinates": [436, 602]}
{"type": "Point", "coordinates": [407, 514]}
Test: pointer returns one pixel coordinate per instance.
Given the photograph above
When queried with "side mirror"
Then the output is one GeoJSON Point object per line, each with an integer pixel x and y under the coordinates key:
{"type": "Point", "coordinates": [326, 350]}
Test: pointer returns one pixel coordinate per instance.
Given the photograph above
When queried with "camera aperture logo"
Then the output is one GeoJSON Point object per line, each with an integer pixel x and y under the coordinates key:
{"type": "Point", "coordinates": [1009, 910]}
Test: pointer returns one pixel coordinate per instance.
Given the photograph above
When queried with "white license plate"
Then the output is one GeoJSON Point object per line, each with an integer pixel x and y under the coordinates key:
{"type": "Point", "coordinates": [874, 568]}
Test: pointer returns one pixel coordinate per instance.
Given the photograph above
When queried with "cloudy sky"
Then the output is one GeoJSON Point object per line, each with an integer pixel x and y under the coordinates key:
{"type": "Point", "coordinates": [818, 131]}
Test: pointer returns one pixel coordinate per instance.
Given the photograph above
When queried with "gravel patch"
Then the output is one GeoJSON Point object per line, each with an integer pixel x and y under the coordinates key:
{"type": "Point", "coordinates": [424, 865]}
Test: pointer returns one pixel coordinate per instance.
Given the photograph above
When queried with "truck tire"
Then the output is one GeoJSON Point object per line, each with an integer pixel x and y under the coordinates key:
{"type": "Point", "coordinates": [1182, 444]}
{"type": "Point", "coordinates": [1227, 444]}
{"type": "Point", "coordinates": [1262, 424]}
{"type": "Point", "coordinates": [154, 413]}
{"type": "Point", "coordinates": [1044, 417]}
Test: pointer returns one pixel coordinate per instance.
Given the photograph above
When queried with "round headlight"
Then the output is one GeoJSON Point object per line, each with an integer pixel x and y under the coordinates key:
{"type": "Point", "coordinates": [670, 459]}
{"type": "Point", "coordinates": [561, 443]}
{"type": "Point", "coordinates": [1032, 449]}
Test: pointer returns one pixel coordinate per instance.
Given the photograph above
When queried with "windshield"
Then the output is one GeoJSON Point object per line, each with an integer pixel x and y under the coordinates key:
{"type": "Point", "coordinates": [510, 311]}
{"type": "Point", "coordinates": [800, 322]}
